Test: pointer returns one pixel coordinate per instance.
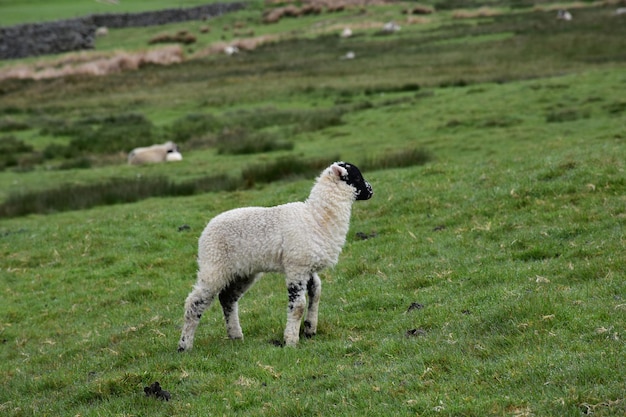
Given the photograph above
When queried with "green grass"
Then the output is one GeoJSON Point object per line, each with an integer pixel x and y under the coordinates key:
{"type": "Point", "coordinates": [31, 11]}
{"type": "Point", "coordinates": [506, 223]}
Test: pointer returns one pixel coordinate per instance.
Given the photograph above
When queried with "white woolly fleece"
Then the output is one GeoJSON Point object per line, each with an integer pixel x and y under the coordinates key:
{"type": "Point", "coordinates": [294, 238]}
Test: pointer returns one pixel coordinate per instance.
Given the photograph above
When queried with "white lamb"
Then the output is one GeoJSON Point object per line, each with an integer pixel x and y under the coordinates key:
{"type": "Point", "coordinates": [153, 154]}
{"type": "Point", "coordinates": [298, 239]}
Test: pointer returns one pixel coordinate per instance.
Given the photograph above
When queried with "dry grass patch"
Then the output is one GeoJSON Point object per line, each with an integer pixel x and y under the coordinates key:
{"type": "Point", "coordinates": [275, 14]}
{"type": "Point", "coordinates": [93, 63]}
{"type": "Point", "coordinates": [182, 36]}
{"type": "Point", "coordinates": [472, 14]}
{"type": "Point", "coordinates": [243, 44]}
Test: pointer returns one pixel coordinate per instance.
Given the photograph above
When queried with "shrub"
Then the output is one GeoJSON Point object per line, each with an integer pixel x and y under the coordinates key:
{"type": "Point", "coordinates": [397, 159]}
{"type": "Point", "coordinates": [63, 128]}
{"type": "Point", "coordinates": [320, 119]}
{"type": "Point", "coordinates": [113, 191]}
{"type": "Point", "coordinates": [55, 151]}
{"type": "Point", "coordinates": [392, 89]}
{"type": "Point", "coordinates": [616, 108]}
{"type": "Point", "coordinates": [115, 133]}
{"type": "Point", "coordinates": [12, 125]}
{"type": "Point", "coordinates": [566, 115]}
{"type": "Point", "coordinates": [108, 134]}
{"type": "Point", "coordinates": [10, 144]}
{"type": "Point", "coordinates": [240, 141]}
{"type": "Point", "coordinates": [10, 148]}
{"type": "Point", "coordinates": [194, 125]}
{"type": "Point", "coordinates": [76, 163]}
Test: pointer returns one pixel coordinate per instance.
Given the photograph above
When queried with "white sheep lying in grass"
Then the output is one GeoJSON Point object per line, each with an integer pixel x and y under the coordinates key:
{"type": "Point", "coordinates": [298, 239]}
{"type": "Point", "coordinates": [154, 153]}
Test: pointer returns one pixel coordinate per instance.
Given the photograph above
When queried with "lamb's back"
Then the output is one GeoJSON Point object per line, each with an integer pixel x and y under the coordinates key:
{"type": "Point", "coordinates": [252, 239]}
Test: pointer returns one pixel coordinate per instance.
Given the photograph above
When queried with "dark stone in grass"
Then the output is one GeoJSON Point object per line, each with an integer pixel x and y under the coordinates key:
{"type": "Point", "coordinates": [155, 390]}
{"type": "Point", "coordinates": [415, 306]}
{"type": "Point", "coordinates": [277, 343]}
{"type": "Point", "coordinates": [365, 236]}
{"type": "Point", "coordinates": [9, 232]}
{"type": "Point", "coordinates": [415, 332]}
{"type": "Point", "coordinates": [183, 227]}
{"type": "Point", "coordinates": [440, 227]}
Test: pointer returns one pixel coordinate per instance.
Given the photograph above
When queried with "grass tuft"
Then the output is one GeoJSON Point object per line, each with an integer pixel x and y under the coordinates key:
{"type": "Point", "coordinates": [397, 159]}
{"type": "Point", "coordinates": [284, 168]}
{"type": "Point", "coordinates": [114, 191]}
{"type": "Point", "coordinates": [11, 150]}
{"type": "Point", "coordinates": [566, 115]}
{"type": "Point", "coordinates": [240, 141]}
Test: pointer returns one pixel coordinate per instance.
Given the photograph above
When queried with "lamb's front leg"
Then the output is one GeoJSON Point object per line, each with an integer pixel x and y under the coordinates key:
{"type": "Point", "coordinates": [295, 310]}
{"type": "Point", "coordinates": [314, 291]}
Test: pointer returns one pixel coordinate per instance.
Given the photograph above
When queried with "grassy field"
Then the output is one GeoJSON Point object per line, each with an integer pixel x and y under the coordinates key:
{"type": "Point", "coordinates": [32, 11]}
{"type": "Point", "coordinates": [493, 278]}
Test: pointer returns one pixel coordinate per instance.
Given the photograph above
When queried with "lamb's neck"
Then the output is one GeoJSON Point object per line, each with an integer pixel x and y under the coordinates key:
{"type": "Point", "coordinates": [332, 214]}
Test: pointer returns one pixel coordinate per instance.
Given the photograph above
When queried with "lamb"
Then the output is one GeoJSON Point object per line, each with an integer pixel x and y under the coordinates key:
{"type": "Point", "coordinates": [298, 239]}
{"type": "Point", "coordinates": [152, 154]}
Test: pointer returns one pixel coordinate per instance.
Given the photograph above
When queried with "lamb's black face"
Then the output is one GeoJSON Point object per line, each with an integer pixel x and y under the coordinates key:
{"type": "Point", "coordinates": [355, 179]}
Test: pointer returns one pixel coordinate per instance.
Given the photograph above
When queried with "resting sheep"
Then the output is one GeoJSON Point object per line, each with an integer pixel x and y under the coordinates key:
{"type": "Point", "coordinates": [153, 154]}
{"type": "Point", "coordinates": [298, 239]}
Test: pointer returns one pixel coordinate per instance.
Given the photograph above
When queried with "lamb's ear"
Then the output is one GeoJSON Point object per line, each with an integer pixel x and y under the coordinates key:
{"type": "Point", "coordinates": [339, 171]}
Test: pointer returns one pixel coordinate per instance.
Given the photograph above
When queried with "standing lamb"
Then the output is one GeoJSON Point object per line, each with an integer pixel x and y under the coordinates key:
{"type": "Point", "coordinates": [298, 239]}
{"type": "Point", "coordinates": [153, 154]}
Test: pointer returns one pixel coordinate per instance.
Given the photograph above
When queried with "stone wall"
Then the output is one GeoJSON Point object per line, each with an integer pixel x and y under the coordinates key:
{"type": "Point", "coordinates": [77, 34]}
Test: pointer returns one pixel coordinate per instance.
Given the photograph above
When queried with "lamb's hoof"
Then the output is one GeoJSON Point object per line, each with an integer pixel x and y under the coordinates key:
{"type": "Point", "coordinates": [309, 331]}
{"type": "Point", "coordinates": [181, 349]}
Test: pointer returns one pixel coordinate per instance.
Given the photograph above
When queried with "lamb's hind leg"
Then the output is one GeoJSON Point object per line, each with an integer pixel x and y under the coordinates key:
{"type": "Point", "coordinates": [314, 291]}
{"type": "Point", "coordinates": [229, 298]}
{"type": "Point", "coordinates": [198, 300]}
